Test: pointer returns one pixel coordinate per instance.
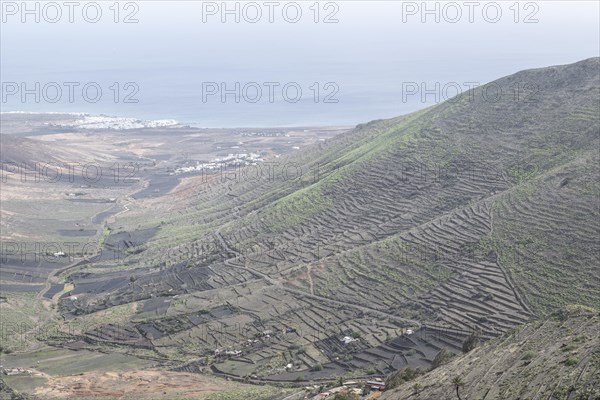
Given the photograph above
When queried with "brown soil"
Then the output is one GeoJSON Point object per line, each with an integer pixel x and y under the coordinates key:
{"type": "Point", "coordinates": [134, 384]}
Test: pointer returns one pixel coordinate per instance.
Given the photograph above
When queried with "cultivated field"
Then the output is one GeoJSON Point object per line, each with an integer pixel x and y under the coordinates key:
{"type": "Point", "coordinates": [362, 254]}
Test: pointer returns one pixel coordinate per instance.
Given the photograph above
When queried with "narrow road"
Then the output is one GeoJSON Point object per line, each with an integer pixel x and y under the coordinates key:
{"type": "Point", "coordinates": [55, 273]}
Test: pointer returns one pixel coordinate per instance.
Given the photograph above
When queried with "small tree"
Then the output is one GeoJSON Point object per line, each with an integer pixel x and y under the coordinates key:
{"type": "Point", "coordinates": [458, 382]}
{"type": "Point", "coordinates": [471, 342]}
{"type": "Point", "coordinates": [417, 387]}
{"type": "Point", "coordinates": [441, 357]}
{"type": "Point", "coordinates": [316, 367]}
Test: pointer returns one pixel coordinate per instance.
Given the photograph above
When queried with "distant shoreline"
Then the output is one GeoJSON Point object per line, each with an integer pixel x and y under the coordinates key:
{"type": "Point", "coordinates": [107, 121]}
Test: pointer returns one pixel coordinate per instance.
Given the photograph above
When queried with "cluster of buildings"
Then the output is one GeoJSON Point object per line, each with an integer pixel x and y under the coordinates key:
{"type": "Point", "coordinates": [367, 390]}
{"type": "Point", "coordinates": [16, 371]}
{"type": "Point", "coordinates": [228, 352]}
{"type": "Point", "coordinates": [116, 123]}
{"type": "Point", "coordinates": [231, 160]}
{"type": "Point", "coordinates": [258, 338]}
{"type": "Point", "coordinates": [263, 133]}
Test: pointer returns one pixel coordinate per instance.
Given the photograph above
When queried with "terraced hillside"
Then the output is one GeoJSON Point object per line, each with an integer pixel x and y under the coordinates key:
{"type": "Point", "coordinates": [557, 358]}
{"type": "Point", "coordinates": [478, 213]}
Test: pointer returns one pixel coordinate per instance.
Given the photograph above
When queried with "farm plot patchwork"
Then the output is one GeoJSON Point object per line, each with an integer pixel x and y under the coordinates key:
{"type": "Point", "coordinates": [412, 221]}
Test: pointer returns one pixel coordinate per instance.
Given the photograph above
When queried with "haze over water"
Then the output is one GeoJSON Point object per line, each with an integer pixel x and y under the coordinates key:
{"type": "Point", "coordinates": [367, 58]}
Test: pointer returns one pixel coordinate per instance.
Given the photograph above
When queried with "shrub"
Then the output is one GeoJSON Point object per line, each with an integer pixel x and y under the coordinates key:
{"type": "Point", "coordinates": [565, 348]}
{"type": "Point", "coordinates": [528, 355]}
{"type": "Point", "coordinates": [572, 310]}
{"type": "Point", "coordinates": [441, 358]}
{"type": "Point", "coordinates": [571, 361]}
{"type": "Point", "coordinates": [471, 342]}
{"type": "Point", "coordinates": [417, 387]}
{"type": "Point", "coordinates": [401, 376]}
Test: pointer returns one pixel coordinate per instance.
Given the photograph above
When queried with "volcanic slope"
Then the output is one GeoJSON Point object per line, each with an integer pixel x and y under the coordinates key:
{"type": "Point", "coordinates": [556, 358]}
{"type": "Point", "coordinates": [479, 212]}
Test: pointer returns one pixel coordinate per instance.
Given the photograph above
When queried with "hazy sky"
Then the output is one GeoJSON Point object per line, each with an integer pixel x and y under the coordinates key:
{"type": "Point", "coordinates": [373, 49]}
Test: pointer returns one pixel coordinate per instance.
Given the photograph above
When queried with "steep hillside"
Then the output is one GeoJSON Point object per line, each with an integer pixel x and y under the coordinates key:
{"type": "Point", "coordinates": [481, 212]}
{"type": "Point", "coordinates": [558, 358]}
